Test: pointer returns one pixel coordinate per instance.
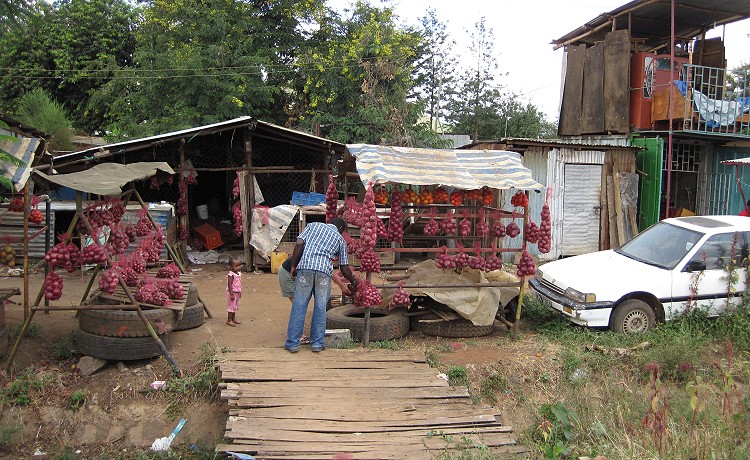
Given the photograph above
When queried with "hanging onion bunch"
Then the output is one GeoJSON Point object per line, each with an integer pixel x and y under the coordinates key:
{"type": "Point", "coordinates": [369, 262]}
{"type": "Point", "coordinates": [545, 229]}
{"type": "Point", "coordinates": [481, 228]}
{"type": "Point", "coordinates": [367, 295]}
{"type": "Point", "coordinates": [352, 212]}
{"type": "Point", "coordinates": [63, 255]}
{"type": "Point", "coordinates": [526, 266]}
{"type": "Point", "coordinates": [445, 260]}
{"type": "Point", "coordinates": [53, 286]}
{"type": "Point", "coordinates": [109, 281]}
{"type": "Point", "coordinates": [92, 254]}
{"type": "Point", "coordinates": [332, 199]}
{"type": "Point", "coordinates": [369, 224]}
{"type": "Point", "coordinates": [464, 227]}
{"type": "Point", "coordinates": [400, 298]}
{"type": "Point", "coordinates": [448, 225]}
{"type": "Point", "coordinates": [531, 232]}
{"type": "Point", "coordinates": [395, 220]}
{"type": "Point", "coordinates": [512, 229]}
{"type": "Point", "coordinates": [237, 215]}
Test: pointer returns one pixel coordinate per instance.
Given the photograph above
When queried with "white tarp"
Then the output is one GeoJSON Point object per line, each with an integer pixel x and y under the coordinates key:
{"type": "Point", "coordinates": [268, 226]}
{"type": "Point", "coordinates": [463, 169]}
{"type": "Point", "coordinates": [106, 178]}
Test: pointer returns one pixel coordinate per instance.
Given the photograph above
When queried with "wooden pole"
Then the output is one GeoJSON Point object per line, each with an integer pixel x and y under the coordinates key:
{"type": "Point", "coordinates": [170, 250]}
{"type": "Point", "coordinates": [245, 219]}
{"type": "Point", "coordinates": [26, 210]}
{"type": "Point", "coordinates": [517, 322]}
{"type": "Point", "coordinates": [366, 334]}
{"type": "Point", "coordinates": [184, 220]}
{"type": "Point", "coordinates": [249, 205]}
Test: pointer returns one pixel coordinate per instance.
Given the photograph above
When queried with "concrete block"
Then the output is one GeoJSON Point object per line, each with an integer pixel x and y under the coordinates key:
{"type": "Point", "coordinates": [87, 365]}
{"type": "Point", "coordinates": [337, 338]}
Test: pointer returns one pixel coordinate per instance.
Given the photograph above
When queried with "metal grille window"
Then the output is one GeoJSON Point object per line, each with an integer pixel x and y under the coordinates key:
{"type": "Point", "coordinates": [685, 157]}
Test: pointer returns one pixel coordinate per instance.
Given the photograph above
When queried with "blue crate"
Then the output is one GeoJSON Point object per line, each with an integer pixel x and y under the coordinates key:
{"type": "Point", "coordinates": [308, 199]}
{"type": "Point", "coordinates": [316, 198]}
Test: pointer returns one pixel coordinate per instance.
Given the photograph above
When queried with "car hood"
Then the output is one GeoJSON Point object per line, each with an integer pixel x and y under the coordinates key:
{"type": "Point", "coordinates": [607, 274]}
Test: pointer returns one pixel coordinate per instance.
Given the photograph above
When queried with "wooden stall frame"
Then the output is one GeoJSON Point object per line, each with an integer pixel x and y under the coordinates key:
{"type": "Point", "coordinates": [133, 306]}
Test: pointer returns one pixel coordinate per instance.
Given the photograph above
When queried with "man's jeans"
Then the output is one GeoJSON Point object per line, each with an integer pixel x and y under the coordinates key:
{"type": "Point", "coordinates": [307, 283]}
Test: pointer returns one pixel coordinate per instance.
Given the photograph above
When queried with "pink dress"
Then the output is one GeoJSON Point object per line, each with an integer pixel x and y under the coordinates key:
{"type": "Point", "coordinates": [233, 305]}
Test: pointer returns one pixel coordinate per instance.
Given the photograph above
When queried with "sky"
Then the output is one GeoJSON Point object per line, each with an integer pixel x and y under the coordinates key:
{"type": "Point", "coordinates": [523, 31]}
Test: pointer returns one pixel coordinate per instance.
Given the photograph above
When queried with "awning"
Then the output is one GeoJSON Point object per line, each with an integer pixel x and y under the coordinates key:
{"type": "Point", "coordinates": [737, 162]}
{"type": "Point", "coordinates": [23, 148]}
{"type": "Point", "coordinates": [463, 169]}
{"type": "Point", "coordinates": [104, 178]}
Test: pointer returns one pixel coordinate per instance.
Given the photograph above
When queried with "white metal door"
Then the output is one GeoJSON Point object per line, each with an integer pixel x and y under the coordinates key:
{"type": "Point", "coordinates": [581, 208]}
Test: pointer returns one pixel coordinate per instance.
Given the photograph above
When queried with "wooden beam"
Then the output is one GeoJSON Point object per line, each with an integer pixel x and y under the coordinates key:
{"type": "Point", "coordinates": [619, 215]}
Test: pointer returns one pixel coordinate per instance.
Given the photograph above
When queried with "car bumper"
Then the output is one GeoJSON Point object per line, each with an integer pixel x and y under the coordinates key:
{"type": "Point", "coordinates": [595, 314]}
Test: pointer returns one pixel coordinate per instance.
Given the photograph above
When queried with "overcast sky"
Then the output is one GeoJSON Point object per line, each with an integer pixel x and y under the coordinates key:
{"type": "Point", "coordinates": [523, 31]}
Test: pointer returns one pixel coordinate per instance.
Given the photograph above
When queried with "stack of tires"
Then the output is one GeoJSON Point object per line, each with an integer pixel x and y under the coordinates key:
{"type": "Point", "coordinates": [384, 324]}
{"type": "Point", "coordinates": [120, 335]}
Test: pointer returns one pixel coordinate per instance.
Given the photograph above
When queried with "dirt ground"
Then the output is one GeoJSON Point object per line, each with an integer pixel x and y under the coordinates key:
{"type": "Point", "coordinates": [120, 414]}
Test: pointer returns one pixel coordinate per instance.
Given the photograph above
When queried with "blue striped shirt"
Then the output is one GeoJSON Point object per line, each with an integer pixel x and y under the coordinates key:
{"type": "Point", "coordinates": [323, 242]}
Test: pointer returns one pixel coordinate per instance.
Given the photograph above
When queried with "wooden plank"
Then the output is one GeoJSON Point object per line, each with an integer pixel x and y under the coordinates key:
{"type": "Point", "coordinates": [592, 110]}
{"type": "Point", "coordinates": [604, 213]}
{"type": "Point", "coordinates": [613, 240]}
{"type": "Point", "coordinates": [633, 220]}
{"type": "Point", "coordinates": [274, 390]}
{"type": "Point", "coordinates": [280, 433]}
{"type": "Point", "coordinates": [375, 413]}
{"type": "Point", "coordinates": [331, 355]}
{"type": "Point", "coordinates": [570, 111]}
{"type": "Point", "coordinates": [617, 81]}
{"type": "Point", "coordinates": [619, 214]}
{"type": "Point", "coordinates": [317, 424]}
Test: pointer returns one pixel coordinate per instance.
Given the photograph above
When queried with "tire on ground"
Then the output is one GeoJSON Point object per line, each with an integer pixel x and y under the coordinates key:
{"type": "Point", "coordinates": [632, 316]}
{"type": "Point", "coordinates": [192, 296]}
{"type": "Point", "coordinates": [384, 324]}
{"type": "Point", "coordinates": [118, 348]}
{"type": "Point", "coordinates": [456, 328]}
{"type": "Point", "coordinates": [3, 341]}
{"type": "Point", "coordinates": [125, 323]}
{"type": "Point", "coordinates": [192, 317]}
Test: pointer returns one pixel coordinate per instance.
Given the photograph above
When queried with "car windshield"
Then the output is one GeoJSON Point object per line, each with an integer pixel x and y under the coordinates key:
{"type": "Point", "coordinates": [663, 245]}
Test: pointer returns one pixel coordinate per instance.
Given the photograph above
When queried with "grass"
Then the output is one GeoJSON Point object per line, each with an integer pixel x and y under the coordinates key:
{"type": "Point", "coordinates": [34, 331]}
{"type": "Point", "coordinates": [65, 349]}
{"type": "Point", "coordinates": [386, 344]}
{"type": "Point", "coordinates": [199, 383]}
{"type": "Point", "coordinates": [7, 432]}
{"type": "Point", "coordinates": [26, 387]}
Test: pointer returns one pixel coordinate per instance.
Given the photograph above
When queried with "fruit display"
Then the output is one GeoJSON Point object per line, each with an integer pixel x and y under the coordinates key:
{"type": "Point", "coordinates": [531, 232]}
{"type": "Point", "coordinates": [456, 198]}
{"type": "Point", "coordinates": [545, 231]}
{"type": "Point", "coordinates": [440, 195]}
{"type": "Point", "coordinates": [16, 205]}
{"type": "Point", "coordinates": [36, 216]}
{"type": "Point", "coordinates": [8, 255]}
{"type": "Point", "coordinates": [472, 194]}
{"type": "Point", "coordinates": [396, 218]}
{"type": "Point", "coordinates": [409, 196]}
{"type": "Point", "coordinates": [526, 266]}
{"type": "Point", "coordinates": [367, 295]}
{"type": "Point", "coordinates": [487, 196]}
{"type": "Point", "coordinates": [332, 199]}
{"type": "Point", "coordinates": [424, 198]}
{"type": "Point", "coordinates": [520, 199]}
{"type": "Point", "coordinates": [400, 298]}
{"type": "Point", "coordinates": [381, 196]}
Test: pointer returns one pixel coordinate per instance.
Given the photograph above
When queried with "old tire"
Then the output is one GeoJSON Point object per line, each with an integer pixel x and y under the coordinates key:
{"type": "Point", "coordinates": [118, 348]}
{"type": "Point", "coordinates": [124, 323]}
{"type": "Point", "coordinates": [456, 328]}
{"type": "Point", "coordinates": [632, 316]}
{"type": "Point", "coordinates": [192, 297]}
{"type": "Point", "coordinates": [4, 341]}
{"type": "Point", "coordinates": [384, 324]}
{"type": "Point", "coordinates": [192, 317]}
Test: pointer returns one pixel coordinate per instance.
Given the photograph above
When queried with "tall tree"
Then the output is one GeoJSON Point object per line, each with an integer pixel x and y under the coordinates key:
{"type": "Point", "coordinates": [37, 109]}
{"type": "Point", "coordinates": [436, 68]}
{"type": "Point", "coordinates": [212, 59]}
{"type": "Point", "coordinates": [359, 77]}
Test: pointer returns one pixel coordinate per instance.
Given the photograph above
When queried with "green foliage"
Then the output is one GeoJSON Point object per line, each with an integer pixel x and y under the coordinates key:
{"type": "Point", "coordinates": [202, 383]}
{"type": "Point", "coordinates": [37, 109]}
{"type": "Point", "coordinates": [432, 358]}
{"type": "Point", "coordinates": [19, 391]}
{"type": "Point", "coordinates": [6, 158]}
{"type": "Point", "coordinates": [7, 432]}
{"type": "Point", "coordinates": [556, 429]}
{"type": "Point", "coordinates": [492, 384]}
{"type": "Point", "coordinates": [386, 344]}
{"type": "Point", "coordinates": [77, 399]}
{"type": "Point", "coordinates": [34, 330]}
{"type": "Point", "coordinates": [65, 348]}
{"type": "Point", "coordinates": [458, 376]}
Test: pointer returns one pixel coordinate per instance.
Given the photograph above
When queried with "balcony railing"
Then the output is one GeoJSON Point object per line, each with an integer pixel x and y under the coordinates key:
{"type": "Point", "coordinates": [712, 102]}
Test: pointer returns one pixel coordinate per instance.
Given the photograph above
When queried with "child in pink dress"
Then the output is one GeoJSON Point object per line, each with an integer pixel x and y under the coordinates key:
{"type": "Point", "coordinates": [234, 291]}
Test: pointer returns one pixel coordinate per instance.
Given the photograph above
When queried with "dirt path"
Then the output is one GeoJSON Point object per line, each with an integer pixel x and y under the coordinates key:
{"type": "Point", "coordinates": [119, 415]}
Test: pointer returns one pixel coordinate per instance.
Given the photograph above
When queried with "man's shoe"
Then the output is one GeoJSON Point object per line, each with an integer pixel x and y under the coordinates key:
{"type": "Point", "coordinates": [318, 349]}
{"type": "Point", "coordinates": [292, 350]}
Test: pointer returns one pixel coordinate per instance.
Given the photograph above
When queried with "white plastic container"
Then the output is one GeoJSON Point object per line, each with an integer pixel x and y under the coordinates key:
{"type": "Point", "coordinates": [202, 211]}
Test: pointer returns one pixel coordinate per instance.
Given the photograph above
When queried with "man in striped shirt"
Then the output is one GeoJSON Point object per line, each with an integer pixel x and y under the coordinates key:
{"type": "Point", "coordinates": [316, 247]}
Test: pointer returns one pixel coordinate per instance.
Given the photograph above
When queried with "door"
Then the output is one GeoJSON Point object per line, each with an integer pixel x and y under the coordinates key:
{"type": "Point", "coordinates": [649, 161]}
{"type": "Point", "coordinates": [581, 205]}
{"type": "Point", "coordinates": [704, 282]}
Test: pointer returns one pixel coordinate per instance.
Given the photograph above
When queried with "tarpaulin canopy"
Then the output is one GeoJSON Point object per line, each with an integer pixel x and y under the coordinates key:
{"type": "Point", "coordinates": [24, 149]}
{"type": "Point", "coordinates": [463, 169]}
{"type": "Point", "coordinates": [737, 162]}
{"type": "Point", "coordinates": [104, 178]}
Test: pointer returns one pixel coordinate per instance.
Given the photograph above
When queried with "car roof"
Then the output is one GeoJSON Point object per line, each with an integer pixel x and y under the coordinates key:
{"type": "Point", "coordinates": [712, 224]}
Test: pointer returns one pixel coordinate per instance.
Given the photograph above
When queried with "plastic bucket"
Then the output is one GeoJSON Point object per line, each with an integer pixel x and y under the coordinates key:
{"type": "Point", "coordinates": [277, 258]}
{"type": "Point", "coordinates": [202, 211]}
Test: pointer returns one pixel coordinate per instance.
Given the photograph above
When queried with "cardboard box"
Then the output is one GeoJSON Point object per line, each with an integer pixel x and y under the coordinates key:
{"type": "Point", "coordinates": [684, 212]}
{"type": "Point", "coordinates": [209, 236]}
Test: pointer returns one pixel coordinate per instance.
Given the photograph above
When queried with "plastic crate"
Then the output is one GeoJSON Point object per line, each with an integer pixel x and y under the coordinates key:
{"type": "Point", "coordinates": [209, 236]}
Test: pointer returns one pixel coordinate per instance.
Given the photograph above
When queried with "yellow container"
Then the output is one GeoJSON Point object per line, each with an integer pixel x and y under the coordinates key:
{"type": "Point", "coordinates": [277, 258]}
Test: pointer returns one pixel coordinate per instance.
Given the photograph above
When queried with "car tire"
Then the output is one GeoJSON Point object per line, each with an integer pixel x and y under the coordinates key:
{"type": "Point", "coordinates": [192, 317]}
{"type": "Point", "coordinates": [455, 328]}
{"type": "Point", "coordinates": [118, 348]}
{"type": "Point", "coordinates": [384, 324]}
{"type": "Point", "coordinates": [124, 323]}
{"type": "Point", "coordinates": [632, 316]}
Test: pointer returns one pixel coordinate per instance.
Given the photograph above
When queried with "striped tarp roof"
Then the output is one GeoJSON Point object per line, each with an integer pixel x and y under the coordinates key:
{"type": "Point", "coordinates": [463, 169]}
{"type": "Point", "coordinates": [23, 148]}
{"type": "Point", "coordinates": [737, 162]}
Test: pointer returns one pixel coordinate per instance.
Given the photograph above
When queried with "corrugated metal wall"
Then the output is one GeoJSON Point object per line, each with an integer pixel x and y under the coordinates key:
{"type": "Point", "coordinates": [732, 153]}
{"type": "Point", "coordinates": [11, 231]}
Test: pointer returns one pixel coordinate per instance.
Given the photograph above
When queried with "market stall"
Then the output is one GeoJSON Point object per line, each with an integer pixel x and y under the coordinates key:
{"type": "Point", "coordinates": [119, 255]}
{"type": "Point", "coordinates": [446, 203]}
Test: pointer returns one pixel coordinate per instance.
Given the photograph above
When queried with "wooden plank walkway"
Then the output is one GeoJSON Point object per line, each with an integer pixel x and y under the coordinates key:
{"type": "Point", "coordinates": [350, 404]}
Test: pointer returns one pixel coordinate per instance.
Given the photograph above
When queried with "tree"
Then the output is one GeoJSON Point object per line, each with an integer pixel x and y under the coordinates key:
{"type": "Point", "coordinates": [436, 69]}
{"type": "Point", "coordinates": [37, 109]}
{"type": "Point", "coordinates": [12, 12]}
{"type": "Point", "coordinates": [213, 59]}
{"type": "Point", "coordinates": [359, 75]}
{"type": "Point", "coordinates": [738, 81]}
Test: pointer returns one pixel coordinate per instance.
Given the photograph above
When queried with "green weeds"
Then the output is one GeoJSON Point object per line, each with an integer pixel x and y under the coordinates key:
{"type": "Point", "coordinates": [199, 384]}
{"type": "Point", "coordinates": [458, 376]}
{"type": "Point", "coordinates": [77, 399]}
{"type": "Point", "coordinates": [21, 390]}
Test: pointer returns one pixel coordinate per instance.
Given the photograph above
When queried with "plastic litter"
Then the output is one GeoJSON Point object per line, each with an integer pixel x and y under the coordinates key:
{"type": "Point", "coordinates": [239, 456]}
{"type": "Point", "coordinates": [162, 444]}
{"type": "Point", "coordinates": [442, 376]}
{"type": "Point", "coordinates": [158, 384]}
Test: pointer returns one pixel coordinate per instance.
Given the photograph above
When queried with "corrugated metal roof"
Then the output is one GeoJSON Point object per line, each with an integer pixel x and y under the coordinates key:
{"type": "Point", "coordinates": [649, 20]}
{"type": "Point", "coordinates": [737, 162]}
{"type": "Point", "coordinates": [260, 127]}
{"type": "Point", "coordinates": [464, 169]}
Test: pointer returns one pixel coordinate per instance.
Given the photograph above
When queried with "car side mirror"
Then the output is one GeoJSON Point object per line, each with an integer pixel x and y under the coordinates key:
{"type": "Point", "coordinates": [696, 266]}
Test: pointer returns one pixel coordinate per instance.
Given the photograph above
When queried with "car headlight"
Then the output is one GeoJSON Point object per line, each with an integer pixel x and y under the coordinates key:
{"type": "Point", "coordinates": [539, 274]}
{"type": "Point", "coordinates": [579, 296]}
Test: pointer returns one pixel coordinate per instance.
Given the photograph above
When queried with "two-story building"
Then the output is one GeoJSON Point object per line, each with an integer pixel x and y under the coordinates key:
{"type": "Point", "coordinates": [646, 72]}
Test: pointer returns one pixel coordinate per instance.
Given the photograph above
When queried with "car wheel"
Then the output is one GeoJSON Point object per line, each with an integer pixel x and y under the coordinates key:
{"type": "Point", "coordinates": [632, 316]}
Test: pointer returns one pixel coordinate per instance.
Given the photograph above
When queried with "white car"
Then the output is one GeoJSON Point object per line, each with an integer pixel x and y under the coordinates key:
{"type": "Point", "coordinates": [671, 267]}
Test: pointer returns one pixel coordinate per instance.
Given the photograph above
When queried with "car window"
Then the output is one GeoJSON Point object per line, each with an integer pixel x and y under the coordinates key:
{"type": "Point", "coordinates": [663, 245]}
{"type": "Point", "coordinates": [719, 249]}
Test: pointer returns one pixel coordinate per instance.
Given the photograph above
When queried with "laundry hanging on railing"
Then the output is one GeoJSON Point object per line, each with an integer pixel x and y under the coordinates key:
{"type": "Point", "coordinates": [716, 112]}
